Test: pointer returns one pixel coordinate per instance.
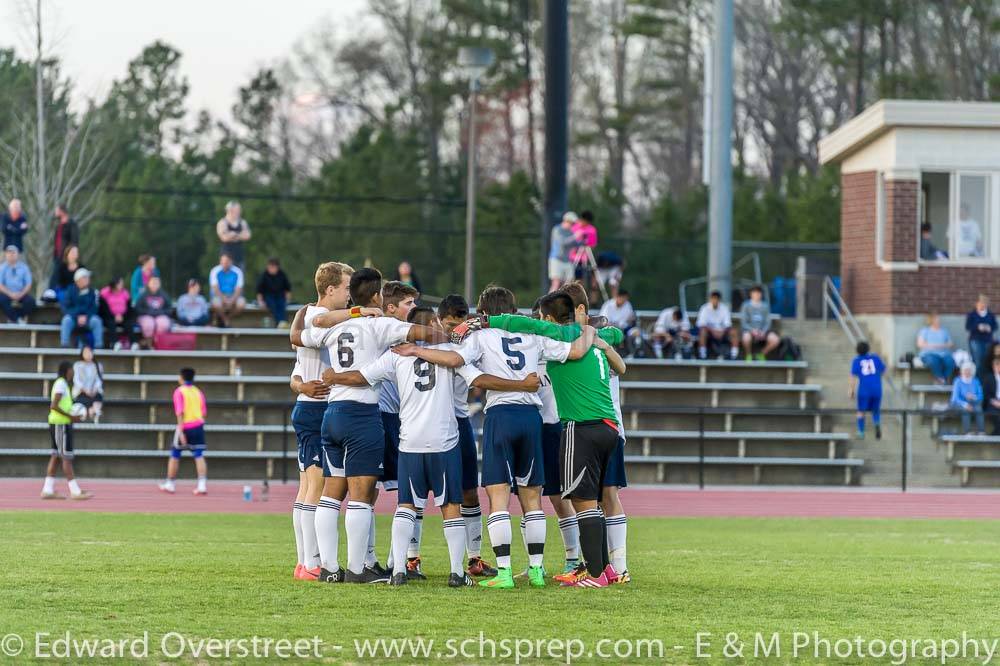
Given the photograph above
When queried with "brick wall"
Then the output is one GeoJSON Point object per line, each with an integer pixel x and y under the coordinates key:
{"type": "Point", "coordinates": [872, 290]}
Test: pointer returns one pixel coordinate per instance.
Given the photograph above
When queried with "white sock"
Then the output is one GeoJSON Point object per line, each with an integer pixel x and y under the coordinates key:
{"type": "Point", "coordinates": [534, 534]}
{"type": "Point", "coordinates": [570, 529]}
{"type": "Point", "coordinates": [297, 528]}
{"type": "Point", "coordinates": [402, 530]}
{"type": "Point", "coordinates": [74, 487]}
{"type": "Point", "coordinates": [327, 532]}
{"type": "Point", "coordinates": [498, 525]}
{"type": "Point", "coordinates": [310, 548]}
{"type": "Point", "coordinates": [202, 483]}
{"type": "Point", "coordinates": [617, 533]}
{"type": "Point", "coordinates": [358, 523]}
{"type": "Point", "coordinates": [454, 534]}
{"type": "Point", "coordinates": [524, 535]}
{"type": "Point", "coordinates": [413, 549]}
{"type": "Point", "coordinates": [370, 557]}
{"type": "Point", "coordinates": [50, 485]}
{"type": "Point", "coordinates": [472, 516]}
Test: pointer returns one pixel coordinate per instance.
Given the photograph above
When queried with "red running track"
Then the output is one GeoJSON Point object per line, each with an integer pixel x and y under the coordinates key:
{"type": "Point", "coordinates": [226, 497]}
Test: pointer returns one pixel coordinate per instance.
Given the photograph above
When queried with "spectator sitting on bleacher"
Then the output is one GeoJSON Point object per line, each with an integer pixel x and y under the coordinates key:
{"type": "Point", "coordinates": [991, 395]}
{"type": "Point", "coordinates": [981, 325]}
{"type": "Point", "coordinates": [118, 316]}
{"type": "Point", "coordinates": [145, 269]}
{"type": "Point", "coordinates": [619, 311]}
{"type": "Point", "coordinates": [192, 308]}
{"type": "Point", "coordinates": [715, 328]}
{"type": "Point", "coordinates": [755, 320]}
{"type": "Point", "coordinates": [672, 334]}
{"type": "Point", "coordinates": [63, 277]}
{"type": "Point", "coordinates": [967, 397]}
{"type": "Point", "coordinates": [88, 383]}
{"type": "Point", "coordinates": [79, 306]}
{"type": "Point", "coordinates": [274, 291]}
{"type": "Point", "coordinates": [226, 281]}
{"type": "Point", "coordinates": [934, 344]}
{"type": "Point", "coordinates": [15, 287]}
{"type": "Point", "coordinates": [153, 311]}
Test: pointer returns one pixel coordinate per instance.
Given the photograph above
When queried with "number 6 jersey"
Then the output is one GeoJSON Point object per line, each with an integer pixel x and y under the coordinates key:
{"type": "Point", "coordinates": [426, 398]}
{"type": "Point", "coordinates": [353, 345]}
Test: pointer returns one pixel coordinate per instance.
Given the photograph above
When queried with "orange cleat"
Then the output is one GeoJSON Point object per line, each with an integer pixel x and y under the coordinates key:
{"type": "Point", "coordinates": [298, 570]}
{"type": "Point", "coordinates": [308, 574]}
{"type": "Point", "coordinates": [572, 577]}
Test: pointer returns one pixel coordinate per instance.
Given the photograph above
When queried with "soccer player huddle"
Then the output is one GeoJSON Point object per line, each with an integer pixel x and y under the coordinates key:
{"type": "Point", "coordinates": [383, 387]}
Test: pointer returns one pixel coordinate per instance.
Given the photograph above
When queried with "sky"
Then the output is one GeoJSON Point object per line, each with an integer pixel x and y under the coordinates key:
{"type": "Point", "coordinates": [223, 42]}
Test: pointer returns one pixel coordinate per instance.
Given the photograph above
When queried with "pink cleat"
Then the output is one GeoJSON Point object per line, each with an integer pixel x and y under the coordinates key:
{"type": "Point", "coordinates": [591, 581]}
{"type": "Point", "coordinates": [308, 574]}
{"type": "Point", "coordinates": [298, 570]}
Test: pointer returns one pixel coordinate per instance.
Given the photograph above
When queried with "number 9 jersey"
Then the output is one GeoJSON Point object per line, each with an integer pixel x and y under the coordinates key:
{"type": "Point", "coordinates": [426, 398]}
{"type": "Point", "coordinates": [353, 345]}
{"type": "Point", "coordinates": [511, 356]}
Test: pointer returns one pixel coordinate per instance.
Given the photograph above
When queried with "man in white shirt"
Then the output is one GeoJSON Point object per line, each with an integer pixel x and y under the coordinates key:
{"type": "Point", "coordinates": [619, 311]}
{"type": "Point", "coordinates": [430, 459]}
{"type": "Point", "coordinates": [715, 328]}
{"type": "Point", "coordinates": [970, 235]}
{"type": "Point", "coordinates": [353, 434]}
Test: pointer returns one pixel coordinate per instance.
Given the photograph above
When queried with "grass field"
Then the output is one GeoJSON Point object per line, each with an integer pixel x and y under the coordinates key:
{"type": "Point", "coordinates": [229, 577]}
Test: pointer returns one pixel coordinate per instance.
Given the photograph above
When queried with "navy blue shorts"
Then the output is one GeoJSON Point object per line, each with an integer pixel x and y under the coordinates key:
{"type": "Point", "coordinates": [423, 473]}
{"type": "Point", "coordinates": [551, 437]}
{"type": "Point", "coordinates": [353, 439]}
{"type": "Point", "coordinates": [512, 446]}
{"type": "Point", "coordinates": [470, 460]}
{"type": "Point", "coordinates": [195, 442]}
{"type": "Point", "coordinates": [390, 454]}
{"type": "Point", "coordinates": [615, 474]}
{"type": "Point", "coordinates": [869, 403]}
{"type": "Point", "coordinates": [307, 419]}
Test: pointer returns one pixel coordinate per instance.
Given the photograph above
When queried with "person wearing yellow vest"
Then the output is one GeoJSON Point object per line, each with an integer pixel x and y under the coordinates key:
{"type": "Point", "coordinates": [190, 408]}
{"type": "Point", "coordinates": [61, 422]}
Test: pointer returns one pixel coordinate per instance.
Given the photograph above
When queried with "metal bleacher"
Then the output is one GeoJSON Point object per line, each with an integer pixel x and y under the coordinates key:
{"type": "Point", "coordinates": [685, 419]}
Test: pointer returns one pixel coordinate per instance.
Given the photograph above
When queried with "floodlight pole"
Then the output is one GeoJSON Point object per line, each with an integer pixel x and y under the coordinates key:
{"type": "Point", "coordinates": [556, 125]}
{"type": "Point", "coordinates": [470, 197]}
{"type": "Point", "coordinates": [720, 214]}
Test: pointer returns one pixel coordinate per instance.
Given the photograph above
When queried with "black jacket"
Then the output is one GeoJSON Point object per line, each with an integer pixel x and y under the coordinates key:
{"type": "Point", "coordinates": [989, 389]}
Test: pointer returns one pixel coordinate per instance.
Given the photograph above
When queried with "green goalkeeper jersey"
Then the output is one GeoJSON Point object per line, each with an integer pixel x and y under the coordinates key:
{"type": "Point", "coordinates": [583, 388]}
{"type": "Point", "coordinates": [568, 333]}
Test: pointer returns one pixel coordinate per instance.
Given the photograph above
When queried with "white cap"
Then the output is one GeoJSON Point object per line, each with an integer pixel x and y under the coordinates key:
{"type": "Point", "coordinates": [81, 273]}
{"type": "Point", "coordinates": [569, 216]}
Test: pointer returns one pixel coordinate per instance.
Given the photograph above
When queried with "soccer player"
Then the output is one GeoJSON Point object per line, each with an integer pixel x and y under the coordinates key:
{"type": "Point", "coordinates": [190, 408]}
{"type": "Point", "coordinates": [353, 434]}
{"type": "Point", "coordinates": [307, 419]}
{"type": "Point", "coordinates": [866, 384]}
{"type": "Point", "coordinates": [452, 312]}
{"type": "Point", "coordinates": [430, 459]}
{"type": "Point", "coordinates": [61, 422]}
{"type": "Point", "coordinates": [512, 431]}
{"type": "Point", "coordinates": [590, 437]}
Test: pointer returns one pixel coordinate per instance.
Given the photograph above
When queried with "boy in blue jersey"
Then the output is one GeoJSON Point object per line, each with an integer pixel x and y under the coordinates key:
{"type": "Point", "coordinates": [866, 383]}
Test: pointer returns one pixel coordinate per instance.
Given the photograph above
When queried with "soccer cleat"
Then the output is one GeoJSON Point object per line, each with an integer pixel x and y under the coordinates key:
{"type": "Point", "coordinates": [298, 568]}
{"type": "Point", "coordinates": [878, 432]}
{"type": "Point", "coordinates": [52, 495]}
{"type": "Point", "coordinates": [82, 495]}
{"type": "Point", "coordinates": [610, 573]}
{"type": "Point", "coordinates": [502, 581]}
{"type": "Point", "coordinates": [536, 576]}
{"type": "Point", "coordinates": [590, 581]}
{"type": "Point", "coordinates": [413, 571]}
{"type": "Point", "coordinates": [479, 567]}
{"type": "Point", "coordinates": [308, 574]}
{"type": "Point", "coordinates": [366, 576]}
{"type": "Point", "coordinates": [379, 569]}
{"type": "Point", "coordinates": [327, 576]}
{"type": "Point", "coordinates": [168, 487]}
{"type": "Point", "coordinates": [570, 565]}
{"type": "Point", "coordinates": [570, 577]}
{"type": "Point", "coordinates": [398, 579]}
{"type": "Point", "coordinates": [199, 491]}
{"type": "Point", "coordinates": [622, 579]}
{"type": "Point", "coordinates": [460, 580]}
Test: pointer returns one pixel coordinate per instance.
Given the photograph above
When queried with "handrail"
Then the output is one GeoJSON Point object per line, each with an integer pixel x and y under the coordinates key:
{"type": "Point", "coordinates": [834, 302]}
{"type": "Point", "coordinates": [743, 283]}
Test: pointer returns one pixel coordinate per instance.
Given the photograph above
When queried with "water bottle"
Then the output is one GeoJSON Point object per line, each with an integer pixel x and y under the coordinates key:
{"type": "Point", "coordinates": [247, 493]}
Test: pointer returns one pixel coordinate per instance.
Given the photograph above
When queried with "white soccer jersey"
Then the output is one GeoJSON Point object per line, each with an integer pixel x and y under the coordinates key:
{"type": "Point", "coordinates": [310, 363]}
{"type": "Point", "coordinates": [388, 397]}
{"type": "Point", "coordinates": [616, 399]}
{"type": "Point", "coordinates": [461, 388]}
{"type": "Point", "coordinates": [550, 411]}
{"type": "Point", "coordinates": [513, 356]}
{"type": "Point", "coordinates": [354, 344]}
{"type": "Point", "coordinates": [426, 399]}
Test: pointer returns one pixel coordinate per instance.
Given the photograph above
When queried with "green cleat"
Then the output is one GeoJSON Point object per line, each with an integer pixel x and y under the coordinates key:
{"type": "Point", "coordinates": [536, 576]}
{"type": "Point", "coordinates": [504, 580]}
